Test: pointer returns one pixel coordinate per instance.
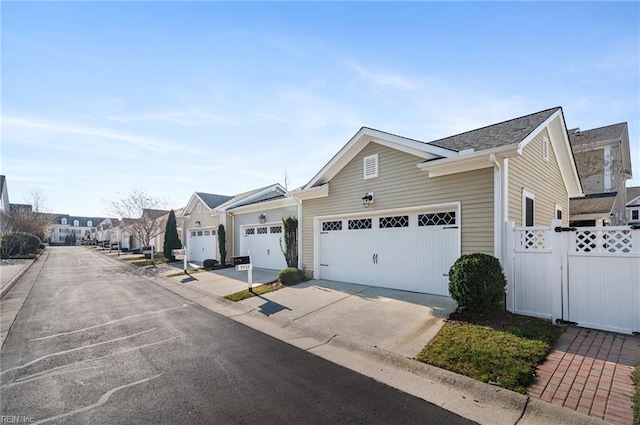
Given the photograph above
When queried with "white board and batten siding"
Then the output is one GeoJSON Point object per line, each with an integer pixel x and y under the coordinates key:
{"type": "Point", "coordinates": [401, 185]}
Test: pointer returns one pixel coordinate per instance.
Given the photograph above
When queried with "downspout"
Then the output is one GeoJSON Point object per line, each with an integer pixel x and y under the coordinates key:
{"type": "Point", "coordinates": [498, 222]}
{"type": "Point", "coordinates": [299, 232]}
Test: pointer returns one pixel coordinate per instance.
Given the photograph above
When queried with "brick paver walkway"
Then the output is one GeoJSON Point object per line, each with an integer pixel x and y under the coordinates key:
{"type": "Point", "coordinates": [590, 371]}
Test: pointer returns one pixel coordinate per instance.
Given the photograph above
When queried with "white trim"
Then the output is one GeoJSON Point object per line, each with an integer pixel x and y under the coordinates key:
{"type": "Point", "coordinates": [261, 206]}
{"type": "Point", "coordinates": [527, 194]}
{"type": "Point", "coordinates": [239, 202]}
{"type": "Point", "coordinates": [367, 135]}
{"type": "Point", "coordinates": [474, 161]}
{"type": "Point", "coordinates": [557, 208]}
{"type": "Point", "coordinates": [539, 128]}
{"type": "Point", "coordinates": [442, 207]}
{"type": "Point", "coordinates": [311, 193]}
{"type": "Point", "coordinates": [497, 208]}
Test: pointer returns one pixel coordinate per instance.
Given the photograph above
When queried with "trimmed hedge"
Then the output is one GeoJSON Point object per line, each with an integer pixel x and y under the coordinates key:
{"type": "Point", "coordinates": [290, 276]}
{"type": "Point", "coordinates": [476, 281]}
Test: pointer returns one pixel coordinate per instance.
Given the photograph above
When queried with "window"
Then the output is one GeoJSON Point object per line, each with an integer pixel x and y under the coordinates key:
{"type": "Point", "coordinates": [275, 229]}
{"type": "Point", "coordinates": [437, 219]}
{"type": "Point", "coordinates": [76, 223]}
{"type": "Point", "coordinates": [199, 233]}
{"type": "Point", "coordinates": [89, 223]}
{"type": "Point", "coordinates": [193, 234]}
{"type": "Point", "coordinates": [397, 221]}
{"type": "Point", "coordinates": [558, 212]}
{"type": "Point", "coordinates": [249, 231]}
{"type": "Point", "coordinates": [331, 225]}
{"type": "Point", "coordinates": [207, 232]}
{"type": "Point", "coordinates": [371, 166]}
{"type": "Point", "coordinates": [262, 230]}
{"type": "Point", "coordinates": [545, 148]}
{"type": "Point", "coordinates": [64, 221]}
{"type": "Point", "coordinates": [634, 214]}
{"type": "Point", "coordinates": [363, 223]}
{"type": "Point", "coordinates": [528, 208]}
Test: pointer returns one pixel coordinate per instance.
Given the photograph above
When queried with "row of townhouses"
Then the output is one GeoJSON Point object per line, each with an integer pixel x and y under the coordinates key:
{"type": "Point", "coordinates": [386, 205]}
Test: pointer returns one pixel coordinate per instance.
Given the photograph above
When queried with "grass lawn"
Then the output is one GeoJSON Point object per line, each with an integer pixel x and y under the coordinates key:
{"type": "Point", "coordinates": [498, 348]}
{"type": "Point", "coordinates": [144, 263]}
{"type": "Point", "coordinates": [636, 400]}
{"type": "Point", "coordinates": [257, 290]}
{"type": "Point", "coordinates": [138, 258]}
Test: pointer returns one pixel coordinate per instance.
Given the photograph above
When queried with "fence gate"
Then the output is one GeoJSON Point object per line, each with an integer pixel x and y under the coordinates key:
{"type": "Point", "coordinates": [588, 276]}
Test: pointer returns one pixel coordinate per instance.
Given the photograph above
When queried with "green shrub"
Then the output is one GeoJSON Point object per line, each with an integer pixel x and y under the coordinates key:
{"type": "Point", "coordinates": [290, 276]}
{"type": "Point", "coordinates": [476, 281]}
{"type": "Point", "coordinates": [209, 263]}
{"type": "Point", "coordinates": [20, 243]}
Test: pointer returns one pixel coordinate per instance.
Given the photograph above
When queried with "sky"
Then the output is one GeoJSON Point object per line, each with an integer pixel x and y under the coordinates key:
{"type": "Point", "coordinates": [181, 97]}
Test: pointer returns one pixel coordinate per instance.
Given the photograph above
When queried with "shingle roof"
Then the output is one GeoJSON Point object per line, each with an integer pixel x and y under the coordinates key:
{"type": "Point", "coordinates": [153, 214]}
{"type": "Point", "coordinates": [16, 207]}
{"type": "Point", "coordinates": [496, 135]}
{"type": "Point", "coordinates": [632, 193]}
{"type": "Point", "coordinates": [244, 195]}
{"type": "Point", "coordinates": [609, 132]}
{"type": "Point", "coordinates": [212, 200]}
{"type": "Point", "coordinates": [599, 203]}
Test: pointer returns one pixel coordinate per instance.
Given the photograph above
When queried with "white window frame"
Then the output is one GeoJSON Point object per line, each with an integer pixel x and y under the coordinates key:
{"type": "Point", "coordinates": [557, 208]}
{"type": "Point", "coordinates": [528, 194]}
{"type": "Point", "coordinates": [76, 223]}
{"type": "Point", "coordinates": [63, 221]}
{"type": "Point", "coordinates": [89, 223]}
{"type": "Point", "coordinates": [376, 160]}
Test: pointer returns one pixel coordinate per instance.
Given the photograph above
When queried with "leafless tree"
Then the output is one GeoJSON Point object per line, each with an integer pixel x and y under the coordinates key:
{"type": "Point", "coordinates": [38, 201]}
{"type": "Point", "coordinates": [147, 213]}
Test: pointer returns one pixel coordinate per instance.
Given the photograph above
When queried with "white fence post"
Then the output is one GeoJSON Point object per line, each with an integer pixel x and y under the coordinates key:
{"type": "Point", "coordinates": [508, 265]}
{"type": "Point", "coordinates": [557, 270]}
{"type": "Point", "coordinates": [635, 248]}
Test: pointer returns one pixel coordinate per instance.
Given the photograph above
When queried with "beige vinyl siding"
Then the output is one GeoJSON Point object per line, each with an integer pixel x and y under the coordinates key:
{"type": "Point", "coordinates": [540, 177]}
{"type": "Point", "coordinates": [401, 184]}
{"type": "Point", "coordinates": [273, 216]}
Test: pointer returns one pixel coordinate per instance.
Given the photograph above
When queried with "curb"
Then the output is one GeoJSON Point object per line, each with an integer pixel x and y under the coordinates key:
{"type": "Point", "coordinates": [467, 397]}
{"type": "Point", "coordinates": [17, 277]}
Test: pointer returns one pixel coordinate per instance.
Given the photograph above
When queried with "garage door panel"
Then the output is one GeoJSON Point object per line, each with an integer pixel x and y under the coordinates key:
{"type": "Point", "coordinates": [264, 246]}
{"type": "Point", "coordinates": [413, 258]}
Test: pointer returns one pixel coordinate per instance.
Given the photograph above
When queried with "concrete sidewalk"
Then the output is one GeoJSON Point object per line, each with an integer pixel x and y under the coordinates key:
{"type": "Point", "coordinates": [10, 272]}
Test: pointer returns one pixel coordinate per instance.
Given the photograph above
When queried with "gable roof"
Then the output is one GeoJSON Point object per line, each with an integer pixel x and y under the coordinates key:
{"type": "Point", "coordinates": [264, 193]}
{"type": "Point", "coordinates": [598, 203]}
{"type": "Point", "coordinates": [496, 135]}
{"type": "Point", "coordinates": [212, 200]}
{"type": "Point", "coordinates": [584, 142]}
{"type": "Point", "coordinates": [600, 134]}
{"type": "Point", "coordinates": [153, 214]}
{"type": "Point", "coordinates": [633, 193]}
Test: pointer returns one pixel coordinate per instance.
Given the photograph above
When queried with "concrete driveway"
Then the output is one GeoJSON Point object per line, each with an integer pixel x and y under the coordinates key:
{"type": "Point", "coordinates": [226, 281]}
{"type": "Point", "coordinates": [397, 321]}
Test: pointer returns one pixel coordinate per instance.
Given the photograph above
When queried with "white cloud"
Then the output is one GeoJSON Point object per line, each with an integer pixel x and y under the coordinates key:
{"type": "Point", "coordinates": [177, 117]}
{"type": "Point", "coordinates": [396, 81]}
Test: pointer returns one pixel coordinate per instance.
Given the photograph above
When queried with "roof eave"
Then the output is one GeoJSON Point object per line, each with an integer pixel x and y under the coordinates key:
{"type": "Point", "coordinates": [468, 162]}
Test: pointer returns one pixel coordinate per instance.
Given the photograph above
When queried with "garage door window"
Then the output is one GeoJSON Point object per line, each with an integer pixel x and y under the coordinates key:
{"type": "Point", "coordinates": [249, 231]}
{"type": "Point", "coordinates": [437, 219]}
{"type": "Point", "coordinates": [275, 229]}
{"type": "Point", "coordinates": [262, 230]}
{"type": "Point", "coordinates": [397, 221]}
{"type": "Point", "coordinates": [363, 223]}
{"type": "Point", "coordinates": [328, 226]}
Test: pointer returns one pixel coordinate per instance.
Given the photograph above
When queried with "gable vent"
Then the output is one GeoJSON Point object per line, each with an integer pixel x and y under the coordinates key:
{"type": "Point", "coordinates": [371, 167]}
{"type": "Point", "coordinates": [545, 148]}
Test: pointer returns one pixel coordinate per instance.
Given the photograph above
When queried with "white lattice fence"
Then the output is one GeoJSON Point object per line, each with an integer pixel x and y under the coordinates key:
{"type": "Point", "coordinates": [590, 276]}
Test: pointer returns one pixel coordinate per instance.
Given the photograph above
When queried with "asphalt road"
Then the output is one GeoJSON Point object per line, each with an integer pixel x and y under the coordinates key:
{"type": "Point", "coordinates": [96, 343]}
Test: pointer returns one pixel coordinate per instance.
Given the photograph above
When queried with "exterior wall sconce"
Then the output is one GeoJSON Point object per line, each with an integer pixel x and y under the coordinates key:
{"type": "Point", "coordinates": [197, 224]}
{"type": "Point", "coordinates": [262, 218]}
{"type": "Point", "coordinates": [367, 199]}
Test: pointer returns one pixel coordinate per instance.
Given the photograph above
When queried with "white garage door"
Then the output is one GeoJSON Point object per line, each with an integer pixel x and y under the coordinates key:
{"type": "Point", "coordinates": [202, 244]}
{"type": "Point", "coordinates": [412, 252]}
{"type": "Point", "coordinates": [264, 243]}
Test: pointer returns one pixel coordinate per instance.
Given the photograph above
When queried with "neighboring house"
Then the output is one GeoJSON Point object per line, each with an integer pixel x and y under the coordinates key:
{"type": "Point", "coordinates": [127, 240]}
{"type": "Point", "coordinates": [258, 229]}
{"type": "Point", "coordinates": [396, 212]}
{"type": "Point", "coordinates": [633, 205]}
{"type": "Point", "coordinates": [106, 231]}
{"type": "Point", "coordinates": [203, 214]}
{"type": "Point", "coordinates": [603, 162]}
{"type": "Point", "coordinates": [4, 196]}
{"type": "Point", "coordinates": [65, 224]}
{"type": "Point", "coordinates": [155, 223]}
